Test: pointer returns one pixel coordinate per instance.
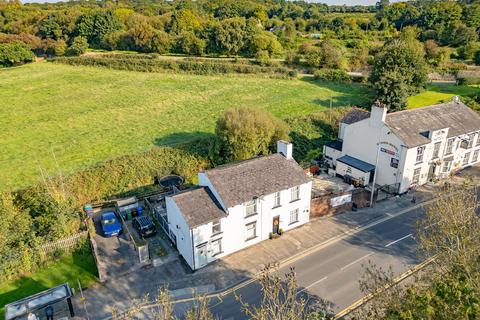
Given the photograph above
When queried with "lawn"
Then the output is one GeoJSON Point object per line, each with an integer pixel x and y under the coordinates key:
{"type": "Point", "coordinates": [63, 118]}
{"type": "Point", "coordinates": [80, 266]}
{"type": "Point", "coordinates": [439, 93]}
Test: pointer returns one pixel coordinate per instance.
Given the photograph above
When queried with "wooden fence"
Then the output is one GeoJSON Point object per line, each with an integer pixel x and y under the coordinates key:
{"type": "Point", "coordinates": [64, 243]}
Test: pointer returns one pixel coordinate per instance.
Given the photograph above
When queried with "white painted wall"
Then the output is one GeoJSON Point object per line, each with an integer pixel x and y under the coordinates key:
{"type": "Point", "coordinates": [334, 154]}
{"type": "Point", "coordinates": [178, 226]}
{"type": "Point", "coordinates": [234, 225]}
{"type": "Point", "coordinates": [344, 169]}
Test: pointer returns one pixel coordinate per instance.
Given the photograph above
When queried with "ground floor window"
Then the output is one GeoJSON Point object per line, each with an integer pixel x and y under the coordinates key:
{"type": "Point", "coordinates": [250, 231]}
{"type": "Point", "coordinates": [293, 216]}
{"type": "Point", "coordinates": [466, 158]}
{"type": "Point", "coordinates": [446, 166]}
{"type": "Point", "coordinates": [476, 154]}
{"type": "Point", "coordinates": [416, 176]}
{"type": "Point", "coordinates": [216, 247]}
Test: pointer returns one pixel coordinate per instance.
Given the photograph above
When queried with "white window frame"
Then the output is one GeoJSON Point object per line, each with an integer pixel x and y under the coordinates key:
{"type": "Point", "coordinates": [251, 204]}
{"type": "Point", "coordinates": [251, 227]}
{"type": "Point", "coordinates": [476, 153]}
{"type": "Point", "coordinates": [436, 150]}
{"type": "Point", "coordinates": [478, 139]}
{"type": "Point", "coordinates": [449, 146]}
{"type": "Point", "coordinates": [216, 227]}
{"type": "Point", "coordinates": [471, 137]}
{"type": "Point", "coordinates": [276, 199]}
{"type": "Point", "coordinates": [295, 193]}
{"type": "Point", "coordinates": [416, 176]}
{"type": "Point", "coordinates": [466, 158]}
{"type": "Point", "coordinates": [420, 154]}
{"type": "Point", "coordinates": [294, 216]}
{"type": "Point", "coordinates": [216, 247]}
{"type": "Point", "coordinates": [447, 165]}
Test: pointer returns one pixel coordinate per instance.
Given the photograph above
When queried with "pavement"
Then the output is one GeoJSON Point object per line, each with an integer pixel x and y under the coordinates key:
{"type": "Point", "coordinates": [327, 254]}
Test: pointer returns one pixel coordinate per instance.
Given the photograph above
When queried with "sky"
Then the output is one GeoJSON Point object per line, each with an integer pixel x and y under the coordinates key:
{"type": "Point", "coordinates": [330, 2]}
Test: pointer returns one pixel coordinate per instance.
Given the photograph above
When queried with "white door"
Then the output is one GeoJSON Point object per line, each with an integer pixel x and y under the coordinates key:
{"type": "Point", "coordinates": [202, 255]}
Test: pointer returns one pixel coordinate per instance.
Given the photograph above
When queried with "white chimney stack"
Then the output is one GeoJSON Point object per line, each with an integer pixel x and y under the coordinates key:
{"type": "Point", "coordinates": [285, 148]}
{"type": "Point", "coordinates": [378, 115]}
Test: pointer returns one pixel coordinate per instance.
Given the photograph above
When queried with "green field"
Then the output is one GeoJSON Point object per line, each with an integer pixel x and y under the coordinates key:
{"type": "Point", "coordinates": [78, 116]}
{"type": "Point", "coordinates": [79, 266]}
{"type": "Point", "coordinates": [439, 93]}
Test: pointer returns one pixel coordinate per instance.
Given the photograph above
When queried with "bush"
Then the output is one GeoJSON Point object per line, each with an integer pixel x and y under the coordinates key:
{"type": "Point", "coordinates": [78, 47]}
{"type": "Point", "coordinates": [15, 53]}
{"type": "Point", "coordinates": [333, 75]}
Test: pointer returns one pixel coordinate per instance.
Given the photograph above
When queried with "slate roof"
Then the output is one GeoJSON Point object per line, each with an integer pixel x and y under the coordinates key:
{"type": "Point", "coordinates": [357, 163]}
{"type": "Point", "coordinates": [242, 181]}
{"type": "Point", "coordinates": [355, 115]}
{"type": "Point", "coordinates": [335, 144]}
{"type": "Point", "coordinates": [409, 125]}
{"type": "Point", "coordinates": [198, 206]}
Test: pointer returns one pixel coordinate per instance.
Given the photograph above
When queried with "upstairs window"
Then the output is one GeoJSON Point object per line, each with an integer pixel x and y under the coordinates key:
{"type": "Point", "coordinates": [478, 139]}
{"type": "Point", "coordinates": [449, 147]}
{"type": "Point", "coordinates": [216, 227]}
{"type": "Point", "coordinates": [295, 193]}
{"type": "Point", "coordinates": [250, 208]}
{"type": "Point", "coordinates": [471, 137]}
{"type": "Point", "coordinates": [276, 199]}
{"type": "Point", "coordinates": [420, 152]}
{"type": "Point", "coordinates": [436, 150]}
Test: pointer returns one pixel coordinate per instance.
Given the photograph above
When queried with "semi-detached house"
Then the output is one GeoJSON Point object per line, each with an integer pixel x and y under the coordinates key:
{"type": "Point", "coordinates": [239, 205]}
{"type": "Point", "coordinates": [405, 148]}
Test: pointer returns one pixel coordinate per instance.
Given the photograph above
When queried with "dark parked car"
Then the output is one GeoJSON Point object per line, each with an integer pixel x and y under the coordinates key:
{"type": "Point", "coordinates": [111, 226]}
{"type": "Point", "coordinates": [145, 226]}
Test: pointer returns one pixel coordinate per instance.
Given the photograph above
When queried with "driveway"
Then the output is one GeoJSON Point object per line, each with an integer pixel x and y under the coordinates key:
{"type": "Point", "coordinates": [116, 255]}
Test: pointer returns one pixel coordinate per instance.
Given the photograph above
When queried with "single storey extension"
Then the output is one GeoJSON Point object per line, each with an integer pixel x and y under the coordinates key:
{"type": "Point", "coordinates": [238, 205]}
{"type": "Point", "coordinates": [405, 148]}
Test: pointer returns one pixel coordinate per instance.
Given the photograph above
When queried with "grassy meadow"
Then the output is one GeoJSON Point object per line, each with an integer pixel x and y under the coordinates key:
{"type": "Point", "coordinates": [439, 93]}
{"type": "Point", "coordinates": [76, 267]}
{"type": "Point", "coordinates": [62, 118]}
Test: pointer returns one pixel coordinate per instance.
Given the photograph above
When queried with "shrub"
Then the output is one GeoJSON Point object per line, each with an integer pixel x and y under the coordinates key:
{"type": "Point", "coordinates": [14, 53]}
{"type": "Point", "coordinates": [333, 75]}
{"type": "Point", "coordinates": [78, 47]}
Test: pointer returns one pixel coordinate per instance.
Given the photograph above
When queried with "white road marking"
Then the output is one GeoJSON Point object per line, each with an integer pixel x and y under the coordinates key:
{"type": "Point", "coordinates": [389, 214]}
{"type": "Point", "coordinates": [353, 262]}
{"type": "Point", "coordinates": [429, 226]}
{"type": "Point", "coordinates": [398, 240]}
{"type": "Point", "coordinates": [311, 285]}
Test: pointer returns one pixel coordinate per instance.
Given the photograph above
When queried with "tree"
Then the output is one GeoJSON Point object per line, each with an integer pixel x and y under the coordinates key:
{"type": "Point", "coordinates": [78, 47]}
{"type": "Point", "coordinates": [95, 25]}
{"type": "Point", "coordinates": [229, 36]}
{"type": "Point", "coordinates": [188, 43]}
{"type": "Point", "coordinates": [399, 70]}
{"type": "Point", "coordinates": [242, 133]}
{"type": "Point", "coordinates": [13, 53]}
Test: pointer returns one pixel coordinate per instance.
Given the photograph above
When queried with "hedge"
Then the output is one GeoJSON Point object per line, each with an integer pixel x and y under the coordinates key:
{"type": "Point", "coordinates": [468, 80]}
{"type": "Point", "coordinates": [150, 64]}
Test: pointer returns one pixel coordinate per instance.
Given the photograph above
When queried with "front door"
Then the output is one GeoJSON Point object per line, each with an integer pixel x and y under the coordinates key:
{"type": "Point", "coordinates": [431, 172]}
{"type": "Point", "coordinates": [202, 255]}
{"type": "Point", "coordinates": [276, 224]}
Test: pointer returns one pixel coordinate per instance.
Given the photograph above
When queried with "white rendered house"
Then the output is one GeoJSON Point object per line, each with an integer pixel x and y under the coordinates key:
{"type": "Point", "coordinates": [405, 148]}
{"type": "Point", "coordinates": [238, 205]}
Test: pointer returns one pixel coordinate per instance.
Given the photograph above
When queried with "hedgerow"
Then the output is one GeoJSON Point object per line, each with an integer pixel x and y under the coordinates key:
{"type": "Point", "coordinates": [193, 66]}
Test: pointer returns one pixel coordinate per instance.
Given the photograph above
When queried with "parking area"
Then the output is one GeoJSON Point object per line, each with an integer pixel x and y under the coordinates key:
{"type": "Point", "coordinates": [115, 255]}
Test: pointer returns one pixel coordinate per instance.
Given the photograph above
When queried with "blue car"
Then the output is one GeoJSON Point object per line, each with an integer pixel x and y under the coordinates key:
{"type": "Point", "coordinates": [111, 226]}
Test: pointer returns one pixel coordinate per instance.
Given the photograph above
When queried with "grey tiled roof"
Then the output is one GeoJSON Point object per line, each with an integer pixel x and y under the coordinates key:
{"type": "Point", "coordinates": [242, 181]}
{"type": "Point", "coordinates": [198, 206]}
{"type": "Point", "coordinates": [335, 144]}
{"type": "Point", "coordinates": [409, 124]}
{"type": "Point", "coordinates": [355, 115]}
